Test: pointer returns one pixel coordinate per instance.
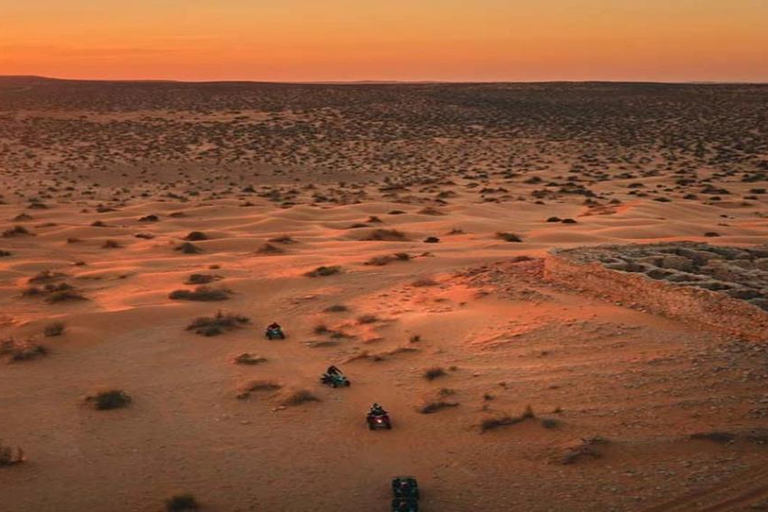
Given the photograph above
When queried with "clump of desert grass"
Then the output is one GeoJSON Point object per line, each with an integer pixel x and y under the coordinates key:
{"type": "Point", "coordinates": [367, 319]}
{"type": "Point", "coordinates": [385, 259]}
{"type": "Point", "coordinates": [188, 248]}
{"type": "Point", "coordinates": [270, 249]}
{"type": "Point", "coordinates": [508, 237]}
{"type": "Point", "coordinates": [506, 420]}
{"type": "Point", "coordinates": [45, 276]}
{"type": "Point", "coordinates": [284, 239]}
{"type": "Point", "coordinates": [54, 329]}
{"type": "Point", "coordinates": [587, 448]}
{"type": "Point", "coordinates": [202, 278]}
{"type": "Point", "coordinates": [181, 503]}
{"type": "Point", "coordinates": [10, 456]}
{"type": "Point", "coordinates": [108, 400]}
{"type": "Point", "coordinates": [54, 293]}
{"type": "Point", "coordinates": [201, 294]}
{"type": "Point", "coordinates": [386, 235]}
{"type": "Point", "coordinates": [217, 324]}
{"type": "Point", "coordinates": [434, 373]}
{"type": "Point", "coordinates": [249, 359]}
{"type": "Point", "coordinates": [17, 231]}
{"type": "Point", "coordinates": [433, 406]}
{"type": "Point", "coordinates": [255, 386]}
{"type": "Point", "coordinates": [298, 397]}
{"type": "Point", "coordinates": [196, 236]}
{"type": "Point", "coordinates": [423, 282]}
{"type": "Point", "coordinates": [324, 271]}
{"type": "Point", "coordinates": [111, 244]}
{"type": "Point", "coordinates": [14, 351]}
{"type": "Point", "coordinates": [336, 308]}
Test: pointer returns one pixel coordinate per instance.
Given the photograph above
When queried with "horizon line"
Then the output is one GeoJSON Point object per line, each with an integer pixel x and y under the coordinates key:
{"type": "Point", "coordinates": [379, 82]}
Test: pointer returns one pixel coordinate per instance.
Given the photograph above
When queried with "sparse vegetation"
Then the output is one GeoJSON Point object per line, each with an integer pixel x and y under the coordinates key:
{"type": "Point", "coordinates": [217, 324]}
{"type": "Point", "coordinates": [201, 294]}
{"type": "Point", "coordinates": [434, 373]}
{"type": "Point", "coordinates": [506, 420]}
{"type": "Point", "coordinates": [298, 397]}
{"type": "Point", "coordinates": [249, 359]}
{"type": "Point", "coordinates": [188, 248]}
{"type": "Point", "coordinates": [245, 391]}
{"type": "Point", "coordinates": [108, 400]}
{"type": "Point", "coordinates": [15, 351]}
{"type": "Point", "coordinates": [54, 329]}
{"type": "Point", "coordinates": [386, 235]}
{"type": "Point", "coordinates": [10, 456]}
{"type": "Point", "coordinates": [181, 503]}
{"type": "Point", "coordinates": [508, 237]}
{"type": "Point", "coordinates": [202, 278]}
{"type": "Point", "coordinates": [324, 271]}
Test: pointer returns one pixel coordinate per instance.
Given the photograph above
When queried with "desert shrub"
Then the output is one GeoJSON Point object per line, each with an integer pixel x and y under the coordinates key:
{"type": "Point", "coordinates": [321, 329]}
{"type": "Point", "coordinates": [149, 218]}
{"type": "Point", "coordinates": [45, 276]}
{"type": "Point", "coordinates": [285, 239]}
{"type": "Point", "coordinates": [554, 219]}
{"type": "Point", "coordinates": [196, 236]}
{"type": "Point", "coordinates": [9, 456]}
{"type": "Point", "coordinates": [201, 294]}
{"type": "Point", "coordinates": [456, 231]}
{"type": "Point", "coordinates": [16, 231]}
{"type": "Point", "coordinates": [181, 503]}
{"type": "Point", "coordinates": [217, 324]}
{"type": "Point", "coordinates": [324, 271]}
{"type": "Point", "coordinates": [550, 423]}
{"type": "Point", "coordinates": [711, 234]}
{"type": "Point", "coordinates": [379, 261]}
{"type": "Point", "coordinates": [54, 329]}
{"type": "Point", "coordinates": [367, 319]}
{"type": "Point", "coordinates": [64, 295]}
{"type": "Point", "coordinates": [254, 386]}
{"type": "Point", "coordinates": [569, 221]}
{"type": "Point", "coordinates": [716, 436]}
{"type": "Point", "coordinates": [429, 210]}
{"type": "Point", "coordinates": [386, 235]}
{"type": "Point", "coordinates": [98, 224]}
{"type": "Point", "coordinates": [506, 420]}
{"type": "Point", "coordinates": [336, 308]}
{"type": "Point", "coordinates": [202, 278]}
{"type": "Point", "coordinates": [431, 240]}
{"type": "Point", "coordinates": [5, 254]}
{"type": "Point", "coordinates": [434, 372]}
{"type": "Point", "coordinates": [508, 237]}
{"type": "Point", "coordinates": [111, 244]}
{"type": "Point", "coordinates": [423, 282]}
{"type": "Point", "coordinates": [299, 397]}
{"type": "Point", "coordinates": [188, 248]}
{"type": "Point", "coordinates": [270, 249]}
{"type": "Point", "coordinates": [108, 400]}
{"type": "Point", "coordinates": [16, 351]}
{"type": "Point", "coordinates": [373, 219]}
{"type": "Point", "coordinates": [435, 406]}
{"type": "Point", "coordinates": [249, 359]}
{"type": "Point", "coordinates": [587, 448]}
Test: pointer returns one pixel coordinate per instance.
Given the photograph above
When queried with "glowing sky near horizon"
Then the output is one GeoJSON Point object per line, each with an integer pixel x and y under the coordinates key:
{"type": "Point", "coordinates": [323, 40]}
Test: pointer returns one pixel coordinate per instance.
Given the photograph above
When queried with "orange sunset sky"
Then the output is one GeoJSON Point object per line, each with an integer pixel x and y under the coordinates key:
{"type": "Point", "coordinates": [329, 40]}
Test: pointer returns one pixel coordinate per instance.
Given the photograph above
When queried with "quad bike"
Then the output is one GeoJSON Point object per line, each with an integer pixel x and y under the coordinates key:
{"type": "Point", "coordinates": [275, 334]}
{"type": "Point", "coordinates": [379, 421]}
{"type": "Point", "coordinates": [406, 494]}
{"type": "Point", "coordinates": [335, 380]}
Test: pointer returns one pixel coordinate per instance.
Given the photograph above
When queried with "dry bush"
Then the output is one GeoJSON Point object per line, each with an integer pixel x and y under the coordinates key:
{"type": "Point", "coordinates": [506, 420]}
{"type": "Point", "coordinates": [434, 406]}
{"type": "Point", "coordinates": [5, 254]}
{"type": "Point", "coordinates": [196, 236]}
{"type": "Point", "coordinates": [108, 400]}
{"type": "Point", "coordinates": [285, 239]}
{"type": "Point", "coordinates": [54, 329]}
{"type": "Point", "coordinates": [16, 351]}
{"type": "Point", "coordinates": [16, 231]}
{"type": "Point", "coordinates": [299, 397]}
{"type": "Point", "coordinates": [201, 294]}
{"type": "Point", "coordinates": [111, 244]}
{"type": "Point", "coordinates": [45, 276]}
{"type": "Point", "coordinates": [336, 308]}
{"type": "Point", "coordinates": [324, 271]}
{"type": "Point", "coordinates": [423, 282]}
{"type": "Point", "coordinates": [249, 359]}
{"type": "Point", "coordinates": [367, 319]}
{"type": "Point", "coordinates": [270, 249]}
{"type": "Point", "coordinates": [255, 386]}
{"type": "Point", "coordinates": [508, 237]}
{"type": "Point", "coordinates": [587, 448]}
{"type": "Point", "coordinates": [386, 235]}
{"type": "Point", "coordinates": [9, 456]}
{"type": "Point", "coordinates": [188, 248]}
{"type": "Point", "coordinates": [429, 210]}
{"type": "Point", "coordinates": [217, 324]}
{"type": "Point", "coordinates": [434, 372]}
{"type": "Point", "coordinates": [181, 503]}
{"type": "Point", "coordinates": [202, 278]}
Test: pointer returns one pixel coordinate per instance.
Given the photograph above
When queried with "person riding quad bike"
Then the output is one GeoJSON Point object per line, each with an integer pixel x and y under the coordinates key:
{"type": "Point", "coordinates": [406, 494]}
{"type": "Point", "coordinates": [378, 418]}
{"type": "Point", "coordinates": [334, 378]}
{"type": "Point", "coordinates": [275, 332]}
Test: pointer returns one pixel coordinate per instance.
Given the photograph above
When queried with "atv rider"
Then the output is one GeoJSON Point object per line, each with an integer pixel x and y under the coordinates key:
{"type": "Point", "coordinates": [333, 371]}
{"type": "Point", "coordinates": [377, 410]}
{"type": "Point", "coordinates": [274, 326]}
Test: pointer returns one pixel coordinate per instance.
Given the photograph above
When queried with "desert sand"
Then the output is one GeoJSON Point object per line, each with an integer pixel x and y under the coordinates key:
{"type": "Point", "coordinates": [508, 392]}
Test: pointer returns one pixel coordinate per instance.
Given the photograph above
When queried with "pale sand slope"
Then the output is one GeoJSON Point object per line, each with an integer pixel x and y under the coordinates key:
{"type": "Point", "coordinates": [642, 382]}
